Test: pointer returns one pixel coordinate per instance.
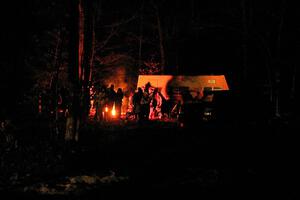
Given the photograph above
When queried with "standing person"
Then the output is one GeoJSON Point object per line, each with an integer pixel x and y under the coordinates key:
{"type": "Point", "coordinates": [153, 103]}
{"type": "Point", "coordinates": [136, 99]}
{"type": "Point", "coordinates": [176, 110]}
{"type": "Point", "coordinates": [111, 96]}
{"type": "Point", "coordinates": [145, 103]}
{"type": "Point", "coordinates": [159, 102]}
{"type": "Point", "coordinates": [198, 97]}
{"type": "Point", "coordinates": [119, 97]}
{"type": "Point", "coordinates": [96, 105]}
{"type": "Point", "coordinates": [102, 101]}
{"type": "Point", "coordinates": [130, 106]}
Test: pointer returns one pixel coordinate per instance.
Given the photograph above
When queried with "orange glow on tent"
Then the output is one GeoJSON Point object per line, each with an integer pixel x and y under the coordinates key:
{"type": "Point", "coordinates": [194, 83]}
{"type": "Point", "coordinates": [158, 81]}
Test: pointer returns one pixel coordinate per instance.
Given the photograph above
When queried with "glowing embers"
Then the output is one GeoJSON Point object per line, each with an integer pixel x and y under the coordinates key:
{"type": "Point", "coordinates": [207, 113]}
{"type": "Point", "coordinates": [60, 110]}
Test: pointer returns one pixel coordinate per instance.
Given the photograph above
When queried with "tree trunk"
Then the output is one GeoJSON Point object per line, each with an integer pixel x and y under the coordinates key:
{"type": "Point", "coordinates": [57, 63]}
{"type": "Point", "coordinates": [141, 36]}
{"type": "Point", "coordinates": [279, 65]}
{"type": "Point", "coordinates": [75, 69]}
{"type": "Point", "coordinates": [245, 33]}
{"type": "Point", "coordinates": [88, 56]}
{"type": "Point", "coordinates": [81, 40]}
{"type": "Point", "coordinates": [161, 41]}
{"type": "Point", "coordinates": [82, 44]}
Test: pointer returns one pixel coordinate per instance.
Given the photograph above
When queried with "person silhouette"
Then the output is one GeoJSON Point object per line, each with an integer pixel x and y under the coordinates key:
{"type": "Point", "coordinates": [118, 100]}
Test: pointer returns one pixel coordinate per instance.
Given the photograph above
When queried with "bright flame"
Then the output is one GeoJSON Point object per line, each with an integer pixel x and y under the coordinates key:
{"type": "Point", "coordinates": [106, 109]}
{"type": "Point", "coordinates": [113, 111]}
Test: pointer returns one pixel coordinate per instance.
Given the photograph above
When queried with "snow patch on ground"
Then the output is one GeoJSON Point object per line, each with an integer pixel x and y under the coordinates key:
{"type": "Point", "coordinates": [75, 184]}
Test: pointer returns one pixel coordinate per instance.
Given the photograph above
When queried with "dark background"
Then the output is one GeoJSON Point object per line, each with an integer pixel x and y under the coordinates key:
{"type": "Point", "coordinates": [200, 38]}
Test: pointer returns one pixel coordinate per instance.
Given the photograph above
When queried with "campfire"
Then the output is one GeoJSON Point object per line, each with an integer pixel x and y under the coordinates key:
{"type": "Point", "coordinates": [113, 111]}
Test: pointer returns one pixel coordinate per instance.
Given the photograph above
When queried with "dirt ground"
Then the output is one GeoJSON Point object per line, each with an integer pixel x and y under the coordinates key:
{"type": "Point", "coordinates": [207, 160]}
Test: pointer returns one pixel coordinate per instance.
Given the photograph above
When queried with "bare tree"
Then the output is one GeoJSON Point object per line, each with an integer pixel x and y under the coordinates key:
{"type": "Point", "coordinates": [141, 35]}
{"type": "Point", "coordinates": [57, 64]}
{"type": "Point", "coordinates": [278, 54]}
{"type": "Point", "coordinates": [72, 122]}
{"type": "Point", "coordinates": [245, 34]}
{"type": "Point", "coordinates": [161, 40]}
